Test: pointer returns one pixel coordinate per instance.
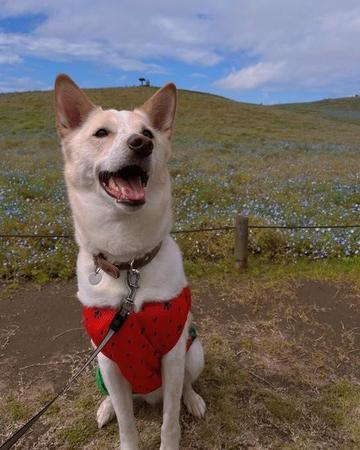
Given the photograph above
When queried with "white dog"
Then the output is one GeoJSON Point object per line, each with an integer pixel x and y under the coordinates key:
{"type": "Point", "coordinates": [119, 189]}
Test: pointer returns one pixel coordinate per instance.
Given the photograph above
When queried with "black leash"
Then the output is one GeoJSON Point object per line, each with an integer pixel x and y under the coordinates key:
{"type": "Point", "coordinates": [118, 320]}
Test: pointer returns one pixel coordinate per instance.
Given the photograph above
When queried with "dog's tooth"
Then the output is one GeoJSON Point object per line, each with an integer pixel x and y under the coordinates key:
{"type": "Point", "coordinates": [112, 184]}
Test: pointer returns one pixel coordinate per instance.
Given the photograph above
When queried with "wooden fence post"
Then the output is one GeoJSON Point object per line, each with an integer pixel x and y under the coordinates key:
{"type": "Point", "coordinates": [241, 241]}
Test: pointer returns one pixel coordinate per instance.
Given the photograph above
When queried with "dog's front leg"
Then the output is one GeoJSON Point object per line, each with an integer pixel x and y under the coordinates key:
{"type": "Point", "coordinates": [172, 372]}
{"type": "Point", "coordinates": [122, 400]}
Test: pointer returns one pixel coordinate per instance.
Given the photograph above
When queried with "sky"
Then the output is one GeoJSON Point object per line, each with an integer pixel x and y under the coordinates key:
{"type": "Point", "coordinates": [258, 51]}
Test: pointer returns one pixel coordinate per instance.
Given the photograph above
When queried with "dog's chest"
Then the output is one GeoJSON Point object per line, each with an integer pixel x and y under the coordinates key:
{"type": "Point", "coordinates": [147, 335]}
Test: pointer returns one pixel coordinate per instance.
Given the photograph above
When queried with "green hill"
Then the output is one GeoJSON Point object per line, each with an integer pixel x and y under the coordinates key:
{"type": "Point", "coordinates": [341, 109]}
{"type": "Point", "coordinates": [204, 116]}
{"type": "Point", "coordinates": [285, 164]}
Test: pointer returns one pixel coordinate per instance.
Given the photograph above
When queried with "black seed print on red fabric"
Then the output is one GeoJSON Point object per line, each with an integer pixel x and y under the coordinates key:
{"type": "Point", "coordinates": [153, 331]}
{"type": "Point", "coordinates": [97, 314]}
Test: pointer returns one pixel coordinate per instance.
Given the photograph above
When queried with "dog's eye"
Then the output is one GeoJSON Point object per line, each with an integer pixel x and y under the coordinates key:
{"type": "Point", "coordinates": [147, 133]}
{"type": "Point", "coordinates": [101, 132]}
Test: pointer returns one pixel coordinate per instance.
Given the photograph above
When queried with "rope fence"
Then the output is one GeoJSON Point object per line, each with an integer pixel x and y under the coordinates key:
{"type": "Point", "coordinates": [241, 229]}
{"type": "Point", "coordinates": [192, 230]}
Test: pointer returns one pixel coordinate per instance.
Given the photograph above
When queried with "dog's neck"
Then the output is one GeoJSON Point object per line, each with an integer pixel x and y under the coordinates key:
{"type": "Point", "coordinates": [119, 236]}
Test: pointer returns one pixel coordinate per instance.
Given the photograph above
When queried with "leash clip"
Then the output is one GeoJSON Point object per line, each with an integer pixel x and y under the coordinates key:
{"type": "Point", "coordinates": [132, 279]}
{"type": "Point", "coordinates": [133, 276]}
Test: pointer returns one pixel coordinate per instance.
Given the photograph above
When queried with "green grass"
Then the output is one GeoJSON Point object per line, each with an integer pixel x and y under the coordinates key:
{"type": "Point", "coordinates": [338, 407]}
{"type": "Point", "coordinates": [16, 408]}
{"type": "Point", "coordinates": [289, 164]}
{"type": "Point", "coordinates": [346, 109]}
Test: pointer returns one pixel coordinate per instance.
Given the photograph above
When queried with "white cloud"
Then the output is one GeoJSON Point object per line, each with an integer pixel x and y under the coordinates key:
{"type": "Point", "coordinates": [297, 46]}
{"type": "Point", "coordinates": [175, 31]}
{"type": "Point", "coordinates": [126, 35]}
{"type": "Point", "coordinates": [21, 84]}
{"type": "Point", "coordinates": [253, 76]}
{"type": "Point", "coordinates": [272, 45]}
{"type": "Point", "coordinates": [8, 58]}
{"type": "Point", "coordinates": [56, 49]}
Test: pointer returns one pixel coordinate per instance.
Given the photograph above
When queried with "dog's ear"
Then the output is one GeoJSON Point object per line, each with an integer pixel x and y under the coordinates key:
{"type": "Point", "coordinates": [161, 108]}
{"type": "Point", "coordinates": [72, 106]}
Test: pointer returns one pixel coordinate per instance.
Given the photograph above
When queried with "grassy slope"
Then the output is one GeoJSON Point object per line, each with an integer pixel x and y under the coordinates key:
{"type": "Point", "coordinates": [283, 164]}
{"type": "Point", "coordinates": [200, 115]}
{"type": "Point", "coordinates": [268, 381]}
{"type": "Point", "coordinates": [342, 109]}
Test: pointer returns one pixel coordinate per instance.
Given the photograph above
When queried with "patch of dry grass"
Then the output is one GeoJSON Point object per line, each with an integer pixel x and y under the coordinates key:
{"type": "Point", "coordinates": [281, 372]}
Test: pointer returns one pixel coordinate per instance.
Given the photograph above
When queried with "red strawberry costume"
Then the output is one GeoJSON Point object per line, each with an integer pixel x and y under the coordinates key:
{"type": "Point", "coordinates": [145, 336]}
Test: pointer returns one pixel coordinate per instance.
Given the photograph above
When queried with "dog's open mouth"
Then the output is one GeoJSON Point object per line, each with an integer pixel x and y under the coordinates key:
{"type": "Point", "coordinates": [127, 185]}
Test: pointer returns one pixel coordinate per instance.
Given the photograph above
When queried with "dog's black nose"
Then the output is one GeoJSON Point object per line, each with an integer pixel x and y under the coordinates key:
{"type": "Point", "coordinates": [141, 145]}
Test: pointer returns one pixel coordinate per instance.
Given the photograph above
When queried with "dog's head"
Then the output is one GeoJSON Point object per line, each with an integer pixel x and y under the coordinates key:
{"type": "Point", "coordinates": [120, 156]}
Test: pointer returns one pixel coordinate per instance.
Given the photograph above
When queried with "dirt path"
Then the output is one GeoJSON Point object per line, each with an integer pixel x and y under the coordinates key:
{"type": "Point", "coordinates": [292, 337]}
{"type": "Point", "coordinates": [41, 334]}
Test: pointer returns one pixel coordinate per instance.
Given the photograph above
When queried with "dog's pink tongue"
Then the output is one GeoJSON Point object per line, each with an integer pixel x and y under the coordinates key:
{"type": "Point", "coordinates": [131, 189]}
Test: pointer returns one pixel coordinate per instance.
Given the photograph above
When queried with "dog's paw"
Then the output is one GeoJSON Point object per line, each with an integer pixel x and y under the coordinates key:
{"type": "Point", "coordinates": [129, 446]}
{"type": "Point", "coordinates": [194, 403]}
{"type": "Point", "coordinates": [169, 447]}
{"type": "Point", "coordinates": [105, 412]}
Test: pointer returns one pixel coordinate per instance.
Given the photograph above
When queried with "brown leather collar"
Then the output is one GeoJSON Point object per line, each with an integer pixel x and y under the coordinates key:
{"type": "Point", "coordinates": [114, 269]}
